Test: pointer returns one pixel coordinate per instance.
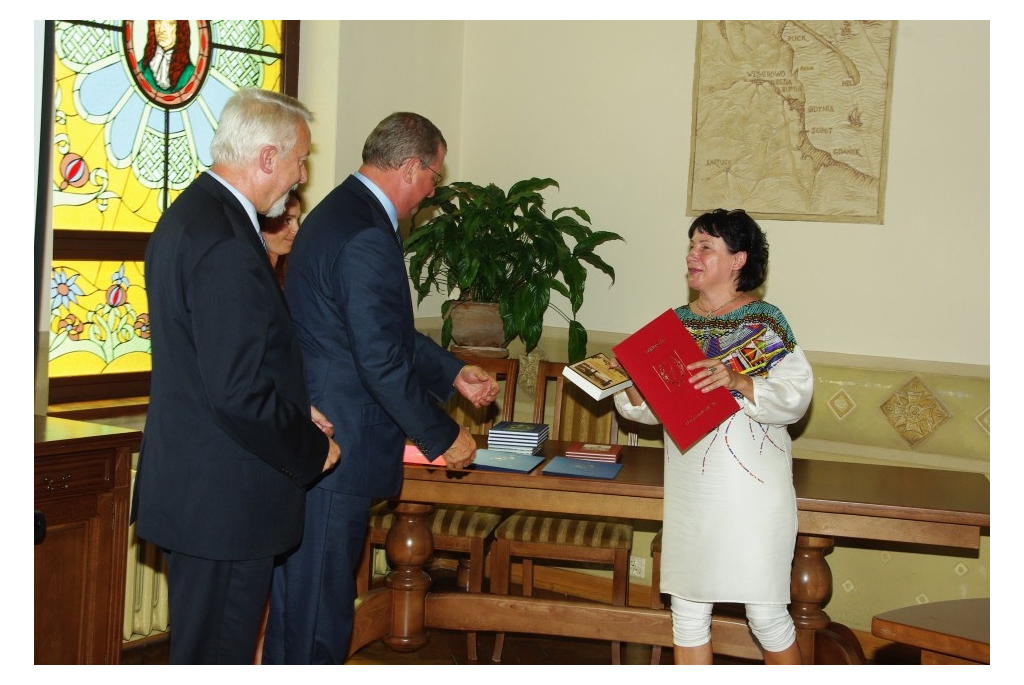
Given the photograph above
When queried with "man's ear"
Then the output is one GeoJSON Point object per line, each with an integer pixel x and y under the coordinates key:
{"type": "Point", "coordinates": [408, 168]}
{"type": "Point", "coordinates": [268, 159]}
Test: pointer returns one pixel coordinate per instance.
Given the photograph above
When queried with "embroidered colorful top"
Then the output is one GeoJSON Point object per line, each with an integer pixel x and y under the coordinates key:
{"type": "Point", "coordinates": [750, 339]}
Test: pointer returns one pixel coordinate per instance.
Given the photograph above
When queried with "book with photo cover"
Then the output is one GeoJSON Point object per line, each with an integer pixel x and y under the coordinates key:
{"type": "Point", "coordinates": [594, 451]}
{"type": "Point", "coordinates": [596, 377]}
{"type": "Point", "coordinates": [656, 357]}
{"type": "Point", "coordinates": [581, 468]}
{"type": "Point", "coordinates": [514, 462]}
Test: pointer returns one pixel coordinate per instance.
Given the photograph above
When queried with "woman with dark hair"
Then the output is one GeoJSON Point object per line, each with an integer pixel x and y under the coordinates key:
{"type": "Point", "coordinates": [730, 518]}
{"type": "Point", "coordinates": [279, 234]}
{"type": "Point", "coordinates": [166, 63]}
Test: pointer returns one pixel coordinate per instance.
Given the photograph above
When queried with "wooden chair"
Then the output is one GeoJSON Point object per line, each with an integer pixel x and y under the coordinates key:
{"type": "Point", "coordinates": [532, 535]}
{"type": "Point", "coordinates": [462, 530]}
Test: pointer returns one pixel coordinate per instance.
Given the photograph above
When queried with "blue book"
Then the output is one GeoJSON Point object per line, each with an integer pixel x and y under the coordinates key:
{"type": "Point", "coordinates": [515, 462]}
{"type": "Point", "coordinates": [564, 466]}
{"type": "Point", "coordinates": [519, 430]}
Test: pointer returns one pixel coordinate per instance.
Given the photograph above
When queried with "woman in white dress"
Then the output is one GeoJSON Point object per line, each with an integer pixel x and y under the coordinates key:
{"type": "Point", "coordinates": [730, 517]}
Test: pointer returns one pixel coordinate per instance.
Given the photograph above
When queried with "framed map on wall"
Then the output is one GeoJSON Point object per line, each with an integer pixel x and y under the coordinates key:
{"type": "Point", "coordinates": [791, 119]}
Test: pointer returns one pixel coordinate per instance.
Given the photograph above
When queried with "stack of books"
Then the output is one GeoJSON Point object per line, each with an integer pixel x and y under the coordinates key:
{"type": "Point", "coordinates": [594, 451]}
{"type": "Point", "coordinates": [517, 436]}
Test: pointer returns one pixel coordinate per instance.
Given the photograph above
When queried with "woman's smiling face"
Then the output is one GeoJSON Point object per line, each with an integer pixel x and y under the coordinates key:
{"type": "Point", "coordinates": [709, 264]}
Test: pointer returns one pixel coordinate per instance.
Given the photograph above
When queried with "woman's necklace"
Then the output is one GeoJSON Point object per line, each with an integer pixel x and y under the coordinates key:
{"type": "Point", "coordinates": [708, 314]}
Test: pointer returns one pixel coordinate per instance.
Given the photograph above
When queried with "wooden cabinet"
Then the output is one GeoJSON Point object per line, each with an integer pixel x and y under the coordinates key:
{"type": "Point", "coordinates": [82, 488]}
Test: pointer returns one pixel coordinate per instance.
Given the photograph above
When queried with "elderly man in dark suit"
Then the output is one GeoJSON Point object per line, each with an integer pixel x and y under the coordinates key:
{"type": "Point", "coordinates": [231, 441]}
{"type": "Point", "coordinates": [367, 368]}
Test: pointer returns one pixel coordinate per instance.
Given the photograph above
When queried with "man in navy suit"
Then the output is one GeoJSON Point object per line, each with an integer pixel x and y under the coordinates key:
{"type": "Point", "coordinates": [231, 441]}
{"type": "Point", "coordinates": [370, 371]}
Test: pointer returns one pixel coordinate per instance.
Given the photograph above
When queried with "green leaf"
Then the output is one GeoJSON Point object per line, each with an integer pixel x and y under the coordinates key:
{"type": "Point", "coordinates": [577, 342]}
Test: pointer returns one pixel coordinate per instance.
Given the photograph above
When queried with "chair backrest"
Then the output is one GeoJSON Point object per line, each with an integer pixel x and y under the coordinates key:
{"type": "Point", "coordinates": [479, 421]}
{"type": "Point", "coordinates": [576, 415]}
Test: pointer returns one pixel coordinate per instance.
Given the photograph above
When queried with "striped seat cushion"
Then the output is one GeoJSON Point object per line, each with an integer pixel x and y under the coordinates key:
{"type": "Point", "coordinates": [463, 522]}
{"type": "Point", "coordinates": [583, 531]}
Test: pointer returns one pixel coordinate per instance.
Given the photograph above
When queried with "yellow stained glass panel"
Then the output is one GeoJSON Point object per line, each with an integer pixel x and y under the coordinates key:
{"type": "Point", "coordinates": [136, 104]}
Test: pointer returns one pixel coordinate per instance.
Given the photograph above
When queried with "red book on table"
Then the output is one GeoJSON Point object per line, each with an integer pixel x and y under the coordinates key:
{"type": "Point", "coordinates": [594, 451]}
{"type": "Point", "coordinates": [656, 357]}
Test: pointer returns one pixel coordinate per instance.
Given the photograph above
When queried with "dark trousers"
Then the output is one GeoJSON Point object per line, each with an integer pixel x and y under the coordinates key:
{"type": "Point", "coordinates": [313, 592]}
{"type": "Point", "coordinates": [215, 608]}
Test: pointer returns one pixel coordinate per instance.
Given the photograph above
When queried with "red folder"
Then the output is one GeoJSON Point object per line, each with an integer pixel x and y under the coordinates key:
{"type": "Point", "coordinates": [656, 357]}
{"type": "Point", "coordinates": [413, 455]}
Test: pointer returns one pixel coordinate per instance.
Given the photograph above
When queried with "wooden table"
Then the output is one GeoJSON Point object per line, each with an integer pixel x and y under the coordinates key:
{"type": "Point", "coordinates": [834, 499]}
{"type": "Point", "coordinates": [953, 632]}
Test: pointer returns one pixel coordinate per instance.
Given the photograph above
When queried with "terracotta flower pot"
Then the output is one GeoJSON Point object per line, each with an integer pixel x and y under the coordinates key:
{"type": "Point", "coordinates": [477, 328]}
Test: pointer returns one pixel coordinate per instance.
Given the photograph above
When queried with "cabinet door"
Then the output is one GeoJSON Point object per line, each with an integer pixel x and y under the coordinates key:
{"type": "Point", "coordinates": [73, 581]}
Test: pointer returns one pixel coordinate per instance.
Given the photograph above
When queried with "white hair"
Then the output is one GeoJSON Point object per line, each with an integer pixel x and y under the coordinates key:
{"type": "Point", "coordinates": [254, 118]}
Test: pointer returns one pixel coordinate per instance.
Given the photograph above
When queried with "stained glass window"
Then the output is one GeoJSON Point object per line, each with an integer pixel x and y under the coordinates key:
{"type": "Point", "coordinates": [136, 104]}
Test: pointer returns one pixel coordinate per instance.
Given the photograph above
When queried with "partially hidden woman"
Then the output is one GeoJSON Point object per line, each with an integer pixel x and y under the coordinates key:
{"type": "Point", "coordinates": [730, 519]}
{"type": "Point", "coordinates": [279, 234]}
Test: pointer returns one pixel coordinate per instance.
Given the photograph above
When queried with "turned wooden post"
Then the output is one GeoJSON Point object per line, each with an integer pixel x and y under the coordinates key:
{"type": "Point", "coordinates": [409, 546]}
{"type": "Point", "coordinates": [810, 588]}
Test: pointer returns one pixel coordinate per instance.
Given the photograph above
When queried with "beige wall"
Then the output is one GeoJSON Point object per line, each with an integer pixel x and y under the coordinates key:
{"type": "Point", "coordinates": [382, 67]}
{"type": "Point", "coordinates": [605, 109]}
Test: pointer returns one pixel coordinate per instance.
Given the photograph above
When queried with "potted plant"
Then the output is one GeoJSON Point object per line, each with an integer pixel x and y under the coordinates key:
{"type": "Point", "coordinates": [505, 249]}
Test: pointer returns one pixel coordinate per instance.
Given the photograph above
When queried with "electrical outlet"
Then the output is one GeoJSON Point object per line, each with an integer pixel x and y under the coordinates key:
{"type": "Point", "coordinates": [637, 567]}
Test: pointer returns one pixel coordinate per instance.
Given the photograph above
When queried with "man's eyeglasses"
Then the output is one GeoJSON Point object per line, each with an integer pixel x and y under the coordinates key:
{"type": "Point", "coordinates": [437, 177]}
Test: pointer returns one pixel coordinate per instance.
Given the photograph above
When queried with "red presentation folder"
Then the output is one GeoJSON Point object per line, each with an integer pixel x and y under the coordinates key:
{"type": "Point", "coordinates": [656, 357]}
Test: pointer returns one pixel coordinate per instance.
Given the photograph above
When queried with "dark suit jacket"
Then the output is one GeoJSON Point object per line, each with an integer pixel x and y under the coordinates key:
{"type": "Point", "coordinates": [367, 368]}
{"type": "Point", "coordinates": [228, 444]}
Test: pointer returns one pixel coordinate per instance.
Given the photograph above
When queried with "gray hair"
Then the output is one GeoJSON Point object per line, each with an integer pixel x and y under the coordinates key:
{"type": "Point", "coordinates": [253, 118]}
{"type": "Point", "coordinates": [401, 136]}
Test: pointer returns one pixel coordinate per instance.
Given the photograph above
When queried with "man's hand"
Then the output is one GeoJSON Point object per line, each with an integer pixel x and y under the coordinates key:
{"type": "Point", "coordinates": [476, 385]}
{"type": "Point", "coordinates": [321, 421]}
{"type": "Point", "coordinates": [333, 455]}
{"type": "Point", "coordinates": [463, 450]}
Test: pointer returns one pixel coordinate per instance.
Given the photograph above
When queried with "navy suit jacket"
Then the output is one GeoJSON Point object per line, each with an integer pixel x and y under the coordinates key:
{"type": "Point", "coordinates": [368, 370]}
{"type": "Point", "coordinates": [229, 445]}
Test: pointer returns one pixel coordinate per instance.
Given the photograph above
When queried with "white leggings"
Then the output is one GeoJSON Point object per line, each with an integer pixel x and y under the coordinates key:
{"type": "Point", "coordinates": [771, 624]}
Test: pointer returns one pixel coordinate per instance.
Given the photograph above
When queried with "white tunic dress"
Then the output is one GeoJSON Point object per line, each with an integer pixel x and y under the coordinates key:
{"type": "Point", "coordinates": [730, 509]}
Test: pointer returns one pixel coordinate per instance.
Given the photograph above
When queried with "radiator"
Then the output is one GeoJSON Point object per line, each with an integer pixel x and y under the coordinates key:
{"type": "Point", "coordinates": [145, 603]}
